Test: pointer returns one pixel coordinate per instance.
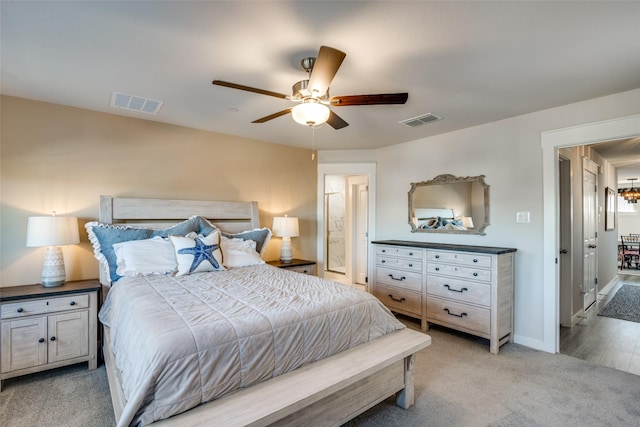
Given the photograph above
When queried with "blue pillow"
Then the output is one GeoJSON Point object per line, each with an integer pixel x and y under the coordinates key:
{"type": "Point", "coordinates": [106, 235]}
{"type": "Point", "coordinates": [196, 223]}
{"type": "Point", "coordinates": [259, 235]}
{"type": "Point", "coordinates": [103, 237]}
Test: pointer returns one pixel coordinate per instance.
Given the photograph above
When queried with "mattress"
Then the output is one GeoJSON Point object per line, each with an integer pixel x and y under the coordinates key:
{"type": "Point", "coordinates": [181, 341]}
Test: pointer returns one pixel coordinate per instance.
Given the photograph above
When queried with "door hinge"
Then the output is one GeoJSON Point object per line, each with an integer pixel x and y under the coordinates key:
{"type": "Point", "coordinates": [366, 279]}
{"type": "Point", "coordinates": [556, 260]}
{"type": "Point", "coordinates": [596, 280]}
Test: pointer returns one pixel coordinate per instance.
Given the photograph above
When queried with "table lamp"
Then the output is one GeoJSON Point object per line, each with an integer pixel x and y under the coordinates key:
{"type": "Point", "coordinates": [52, 232]}
{"type": "Point", "coordinates": [467, 221]}
{"type": "Point", "coordinates": [285, 227]}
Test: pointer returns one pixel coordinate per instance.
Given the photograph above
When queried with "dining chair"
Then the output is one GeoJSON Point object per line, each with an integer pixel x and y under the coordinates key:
{"type": "Point", "coordinates": [630, 255]}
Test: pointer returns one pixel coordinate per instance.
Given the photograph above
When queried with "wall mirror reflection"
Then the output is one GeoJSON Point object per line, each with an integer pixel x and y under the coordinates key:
{"type": "Point", "coordinates": [449, 204]}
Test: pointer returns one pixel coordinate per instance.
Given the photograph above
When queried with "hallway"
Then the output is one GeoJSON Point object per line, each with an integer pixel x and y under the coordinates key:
{"type": "Point", "coordinates": [608, 342]}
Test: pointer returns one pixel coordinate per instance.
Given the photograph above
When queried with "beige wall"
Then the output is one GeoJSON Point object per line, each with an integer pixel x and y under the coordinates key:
{"type": "Point", "coordinates": [62, 159]}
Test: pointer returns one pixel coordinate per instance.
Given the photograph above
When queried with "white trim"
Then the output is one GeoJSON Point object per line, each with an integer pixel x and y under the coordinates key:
{"type": "Point", "coordinates": [551, 141]}
{"type": "Point", "coordinates": [367, 169]}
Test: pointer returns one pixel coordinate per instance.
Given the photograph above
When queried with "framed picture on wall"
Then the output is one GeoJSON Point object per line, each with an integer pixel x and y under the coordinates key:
{"type": "Point", "coordinates": [610, 209]}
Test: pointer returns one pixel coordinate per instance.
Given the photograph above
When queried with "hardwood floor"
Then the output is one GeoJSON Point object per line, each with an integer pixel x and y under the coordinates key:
{"type": "Point", "coordinates": [609, 342]}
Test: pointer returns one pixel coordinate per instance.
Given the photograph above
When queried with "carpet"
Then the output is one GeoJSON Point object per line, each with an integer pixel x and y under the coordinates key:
{"type": "Point", "coordinates": [624, 305]}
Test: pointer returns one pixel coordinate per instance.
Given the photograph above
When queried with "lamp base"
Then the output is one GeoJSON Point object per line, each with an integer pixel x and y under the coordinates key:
{"type": "Point", "coordinates": [285, 252]}
{"type": "Point", "coordinates": [53, 271]}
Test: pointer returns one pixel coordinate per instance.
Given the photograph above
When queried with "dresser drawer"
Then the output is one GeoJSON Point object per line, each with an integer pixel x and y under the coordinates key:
{"type": "Point", "coordinates": [461, 272]}
{"type": "Point", "coordinates": [459, 290]}
{"type": "Point", "coordinates": [403, 263]}
{"type": "Point", "coordinates": [460, 315]}
{"type": "Point", "coordinates": [44, 306]}
{"type": "Point", "coordinates": [399, 299]}
{"type": "Point", "coordinates": [399, 278]}
{"type": "Point", "coordinates": [398, 251]}
{"type": "Point", "coordinates": [467, 259]}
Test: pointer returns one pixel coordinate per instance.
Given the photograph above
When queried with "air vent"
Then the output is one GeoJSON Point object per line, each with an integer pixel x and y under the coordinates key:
{"type": "Point", "coordinates": [135, 103]}
{"type": "Point", "coordinates": [420, 120]}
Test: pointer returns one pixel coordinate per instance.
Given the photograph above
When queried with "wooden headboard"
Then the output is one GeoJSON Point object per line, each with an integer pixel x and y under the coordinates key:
{"type": "Point", "coordinates": [160, 213]}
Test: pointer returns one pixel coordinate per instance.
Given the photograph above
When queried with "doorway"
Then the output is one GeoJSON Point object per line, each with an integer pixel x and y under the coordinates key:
{"type": "Point", "coordinates": [551, 142]}
{"type": "Point", "coordinates": [359, 221]}
{"type": "Point", "coordinates": [346, 228]}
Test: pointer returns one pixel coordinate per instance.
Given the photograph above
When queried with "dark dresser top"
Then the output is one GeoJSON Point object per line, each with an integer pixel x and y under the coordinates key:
{"type": "Point", "coordinates": [37, 291]}
{"type": "Point", "coordinates": [446, 246]}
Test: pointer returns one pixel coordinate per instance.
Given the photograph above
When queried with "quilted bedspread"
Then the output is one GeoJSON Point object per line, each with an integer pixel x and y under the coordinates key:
{"type": "Point", "coordinates": [181, 341]}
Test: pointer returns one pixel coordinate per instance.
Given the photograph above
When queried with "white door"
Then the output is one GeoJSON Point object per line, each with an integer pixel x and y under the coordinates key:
{"type": "Point", "coordinates": [362, 240]}
{"type": "Point", "coordinates": [566, 253]}
{"type": "Point", "coordinates": [590, 232]}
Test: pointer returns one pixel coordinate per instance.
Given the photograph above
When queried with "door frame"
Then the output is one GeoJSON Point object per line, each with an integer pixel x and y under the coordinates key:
{"type": "Point", "coordinates": [551, 141]}
{"type": "Point", "coordinates": [365, 169]}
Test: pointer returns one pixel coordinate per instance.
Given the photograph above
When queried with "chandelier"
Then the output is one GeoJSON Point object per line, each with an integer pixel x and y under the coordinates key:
{"type": "Point", "coordinates": [631, 195]}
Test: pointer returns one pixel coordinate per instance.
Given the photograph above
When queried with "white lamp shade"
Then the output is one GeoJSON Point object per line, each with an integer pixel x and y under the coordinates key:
{"type": "Point", "coordinates": [52, 231]}
{"type": "Point", "coordinates": [286, 226]}
{"type": "Point", "coordinates": [310, 113]}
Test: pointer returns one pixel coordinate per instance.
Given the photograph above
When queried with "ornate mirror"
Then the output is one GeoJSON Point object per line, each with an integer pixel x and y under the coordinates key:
{"type": "Point", "coordinates": [449, 204]}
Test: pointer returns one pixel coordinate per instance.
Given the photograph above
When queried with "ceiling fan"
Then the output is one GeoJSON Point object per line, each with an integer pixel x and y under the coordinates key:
{"type": "Point", "coordinates": [312, 95]}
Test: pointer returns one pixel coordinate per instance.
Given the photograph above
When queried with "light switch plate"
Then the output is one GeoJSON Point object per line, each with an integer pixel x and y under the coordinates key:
{"type": "Point", "coordinates": [523, 217]}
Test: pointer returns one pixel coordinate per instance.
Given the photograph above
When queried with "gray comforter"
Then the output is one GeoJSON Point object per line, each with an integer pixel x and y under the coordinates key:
{"type": "Point", "coordinates": [182, 341]}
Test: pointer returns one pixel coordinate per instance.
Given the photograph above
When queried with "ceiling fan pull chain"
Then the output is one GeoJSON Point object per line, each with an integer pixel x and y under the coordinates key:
{"type": "Point", "coordinates": [313, 143]}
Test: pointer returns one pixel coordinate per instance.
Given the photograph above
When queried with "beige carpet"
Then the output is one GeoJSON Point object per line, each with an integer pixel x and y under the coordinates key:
{"type": "Point", "coordinates": [458, 383]}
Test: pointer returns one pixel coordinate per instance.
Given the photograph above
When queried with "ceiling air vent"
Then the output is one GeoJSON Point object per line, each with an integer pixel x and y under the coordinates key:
{"type": "Point", "coordinates": [135, 103]}
{"type": "Point", "coordinates": [420, 120]}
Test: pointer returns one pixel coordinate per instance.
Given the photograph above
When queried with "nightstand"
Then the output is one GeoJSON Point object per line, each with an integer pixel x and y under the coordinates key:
{"type": "Point", "coordinates": [44, 328]}
{"type": "Point", "coordinates": [300, 265]}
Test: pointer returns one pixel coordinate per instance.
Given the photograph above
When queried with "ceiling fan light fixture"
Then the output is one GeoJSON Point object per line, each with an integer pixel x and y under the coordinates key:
{"type": "Point", "coordinates": [310, 113]}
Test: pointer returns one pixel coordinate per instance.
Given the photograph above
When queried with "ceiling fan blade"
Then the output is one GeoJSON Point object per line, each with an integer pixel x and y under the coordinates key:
{"type": "Point", "coordinates": [324, 70]}
{"type": "Point", "coordinates": [382, 98]}
{"type": "Point", "coordinates": [248, 89]}
{"type": "Point", "coordinates": [272, 116]}
{"type": "Point", "coordinates": [336, 122]}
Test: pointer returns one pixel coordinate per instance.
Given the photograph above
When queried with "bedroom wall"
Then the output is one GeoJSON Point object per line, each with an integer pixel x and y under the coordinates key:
{"type": "Point", "coordinates": [60, 158]}
{"type": "Point", "coordinates": [509, 154]}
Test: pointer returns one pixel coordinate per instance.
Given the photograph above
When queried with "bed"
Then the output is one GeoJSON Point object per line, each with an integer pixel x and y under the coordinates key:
{"type": "Point", "coordinates": [322, 391]}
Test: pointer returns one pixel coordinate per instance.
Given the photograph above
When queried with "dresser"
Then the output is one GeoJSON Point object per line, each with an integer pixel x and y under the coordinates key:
{"type": "Point", "coordinates": [463, 287]}
{"type": "Point", "coordinates": [43, 328]}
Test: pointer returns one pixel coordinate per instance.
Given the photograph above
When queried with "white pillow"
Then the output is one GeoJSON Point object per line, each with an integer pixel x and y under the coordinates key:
{"type": "Point", "coordinates": [145, 257]}
{"type": "Point", "coordinates": [239, 252]}
{"type": "Point", "coordinates": [197, 253]}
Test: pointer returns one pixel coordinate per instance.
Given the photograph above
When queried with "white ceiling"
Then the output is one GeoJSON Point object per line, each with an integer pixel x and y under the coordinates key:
{"type": "Point", "coordinates": [469, 62]}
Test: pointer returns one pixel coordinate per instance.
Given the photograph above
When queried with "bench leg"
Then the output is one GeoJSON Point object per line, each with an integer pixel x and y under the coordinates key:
{"type": "Point", "coordinates": [406, 397]}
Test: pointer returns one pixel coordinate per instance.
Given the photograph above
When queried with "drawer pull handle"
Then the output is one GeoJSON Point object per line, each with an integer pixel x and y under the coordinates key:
{"type": "Point", "coordinates": [453, 314]}
{"type": "Point", "coordinates": [41, 340]}
{"type": "Point", "coordinates": [52, 338]}
{"type": "Point", "coordinates": [72, 303]}
{"type": "Point", "coordinates": [475, 274]}
{"type": "Point", "coordinates": [20, 310]}
{"type": "Point", "coordinates": [410, 265]}
{"type": "Point", "coordinates": [384, 251]}
{"type": "Point", "coordinates": [475, 260]}
{"type": "Point", "coordinates": [437, 256]}
{"type": "Point", "coordinates": [437, 269]}
{"type": "Point", "coordinates": [410, 253]}
{"type": "Point", "coordinates": [455, 290]}
{"type": "Point", "coordinates": [383, 261]}
{"type": "Point", "coordinates": [397, 299]}
{"type": "Point", "coordinates": [395, 278]}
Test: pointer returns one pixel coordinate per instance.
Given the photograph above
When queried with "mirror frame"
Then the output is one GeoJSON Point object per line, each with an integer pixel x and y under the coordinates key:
{"type": "Point", "coordinates": [451, 179]}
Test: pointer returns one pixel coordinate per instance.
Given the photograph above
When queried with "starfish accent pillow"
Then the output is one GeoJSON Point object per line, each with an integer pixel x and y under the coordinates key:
{"type": "Point", "coordinates": [196, 253]}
